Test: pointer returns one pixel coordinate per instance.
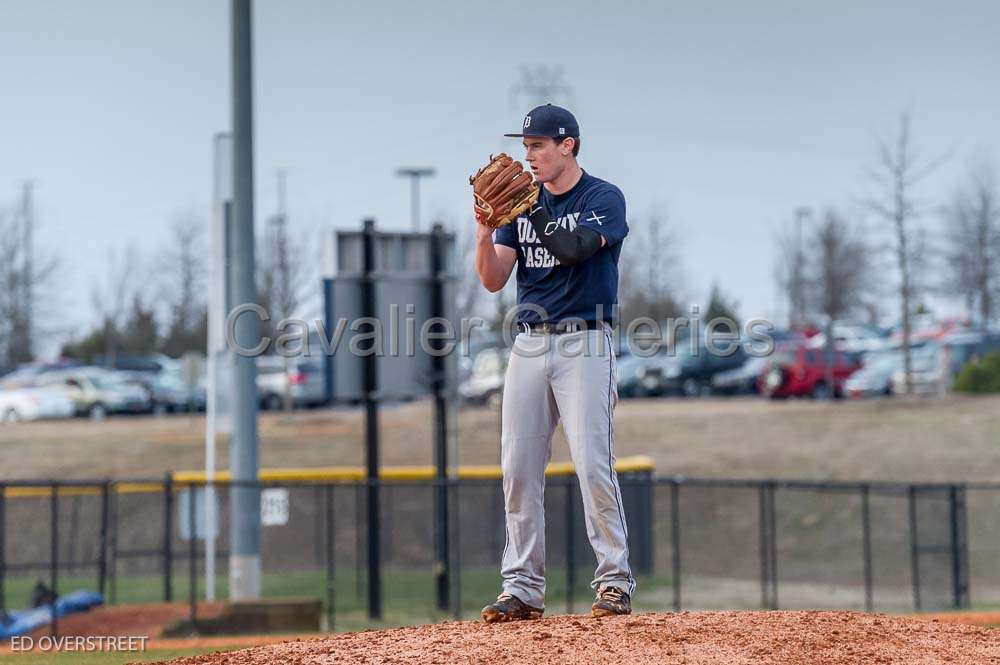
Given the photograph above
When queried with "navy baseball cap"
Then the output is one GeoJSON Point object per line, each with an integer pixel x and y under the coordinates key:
{"type": "Point", "coordinates": [550, 121]}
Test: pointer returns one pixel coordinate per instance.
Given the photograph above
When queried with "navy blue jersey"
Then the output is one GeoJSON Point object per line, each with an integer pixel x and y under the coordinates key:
{"type": "Point", "coordinates": [570, 291]}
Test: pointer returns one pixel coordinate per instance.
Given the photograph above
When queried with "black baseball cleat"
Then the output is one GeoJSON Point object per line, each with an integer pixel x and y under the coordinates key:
{"type": "Point", "coordinates": [509, 608]}
{"type": "Point", "coordinates": [610, 601]}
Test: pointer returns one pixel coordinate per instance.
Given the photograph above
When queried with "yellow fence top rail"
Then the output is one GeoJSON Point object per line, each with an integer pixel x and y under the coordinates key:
{"type": "Point", "coordinates": [82, 490]}
{"type": "Point", "coordinates": [637, 463]}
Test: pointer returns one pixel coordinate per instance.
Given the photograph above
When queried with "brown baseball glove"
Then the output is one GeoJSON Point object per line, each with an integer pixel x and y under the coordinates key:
{"type": "Point", "coordinates": [503, 191]}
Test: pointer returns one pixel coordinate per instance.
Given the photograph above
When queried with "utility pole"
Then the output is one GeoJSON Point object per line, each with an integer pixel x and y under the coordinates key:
{"type": "Point", "coordinates": [415, 174]}
{"type": "Point", "coordinates": [244, 535]}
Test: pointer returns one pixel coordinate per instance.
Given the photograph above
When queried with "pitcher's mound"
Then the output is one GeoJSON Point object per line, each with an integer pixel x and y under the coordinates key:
{"type": "Point", "coordinates": [693, 638]}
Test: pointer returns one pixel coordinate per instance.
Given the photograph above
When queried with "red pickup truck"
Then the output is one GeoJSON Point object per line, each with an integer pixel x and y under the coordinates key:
{"type": "Point", "coordinates": [798, 371]}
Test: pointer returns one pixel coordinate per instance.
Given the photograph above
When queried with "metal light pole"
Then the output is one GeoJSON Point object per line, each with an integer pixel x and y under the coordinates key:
{"type": "Point", "coordinates": [244, 553]}
{"type": "Point", "coordinates": [415, 174]}
{"type": "Point", "coordinates": [219, 358]}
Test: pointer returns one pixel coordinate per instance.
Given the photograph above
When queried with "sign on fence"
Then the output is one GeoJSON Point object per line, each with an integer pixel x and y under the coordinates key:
{"type": "Point", "coordinates": [274, 506]}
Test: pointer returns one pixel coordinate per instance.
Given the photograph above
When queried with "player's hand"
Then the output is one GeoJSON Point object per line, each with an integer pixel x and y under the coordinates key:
{"type": "Point", "coordinates": [482, 231]}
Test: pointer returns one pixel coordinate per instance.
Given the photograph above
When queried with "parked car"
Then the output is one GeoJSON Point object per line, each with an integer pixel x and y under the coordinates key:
{"type": "Point", "coordinates": [875, 375]}
{"type": "Point", "coordinates": [20, 404]}
{"type": "Point", "coordinates": [799, 371]}
{"type": "Point", "coordinates": [852, 338]}
{"type": "Point", "coordinates": [926, 327]}
{"type": "Point", "coordinates": [690, 371]}
{"type": "Point", "coordinates": [641, 376]}
{"type": "Point", "coordinates": [469, 347]}
{"type": "Point", "coordinates": [167, 392]}
{"type": "Point", "coordinates": [123, 362]}
{"type": "Point", "coordinates": [927, 372]}
{"type": "Point", "coordinates": [935, 365]}
{"type": "Point", "coordinates": [26, 375]}
{"type": "Point", "coordinates": [97, 392]}
{"type": "Point", "coordinates": [740, 381]}
{"type": "Point", "coordinates": [484, 384]}
{"type": "Point", "coordinates": [301, 378]}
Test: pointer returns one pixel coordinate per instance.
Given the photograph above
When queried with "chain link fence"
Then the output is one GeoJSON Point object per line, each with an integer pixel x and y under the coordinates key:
{"type": "Point", "coordinates": [694, 544]}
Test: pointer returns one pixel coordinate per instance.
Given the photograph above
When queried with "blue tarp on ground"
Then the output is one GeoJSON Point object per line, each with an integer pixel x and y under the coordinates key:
{"type": "Point", "coordinates": [22, 622]}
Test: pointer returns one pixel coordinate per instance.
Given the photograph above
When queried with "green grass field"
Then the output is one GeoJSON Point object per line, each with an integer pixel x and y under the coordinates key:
{"type": "Point", "coordinates": [408, 594]}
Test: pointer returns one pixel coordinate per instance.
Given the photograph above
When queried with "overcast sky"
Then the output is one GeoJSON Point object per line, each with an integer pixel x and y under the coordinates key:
{"type": "Point", "coordinates": [728, 114]}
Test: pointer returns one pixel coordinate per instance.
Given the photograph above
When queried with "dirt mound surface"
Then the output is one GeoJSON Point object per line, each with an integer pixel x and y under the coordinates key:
{"type": "Point", "coordinates": [693, 638]}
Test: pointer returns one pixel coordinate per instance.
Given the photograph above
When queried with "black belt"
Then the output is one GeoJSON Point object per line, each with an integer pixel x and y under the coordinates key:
{"type": "Point", "coordinates": [561, 327]}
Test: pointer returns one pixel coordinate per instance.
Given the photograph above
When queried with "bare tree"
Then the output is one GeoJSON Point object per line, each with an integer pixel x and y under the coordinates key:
{"type": "Point", "coordinates": [650, 278]}
{"type": "Point", "coordinates": [111, 297]}
{"type": "Point", "coordinates": [540, 84]}
{"type": "Point", "coordinates": [23, 297]}
{"type": "Point", "coordinates": [898, 170]}
{"type": "Point", "coordinates": [9, 286]}
{"type": "Point", "coordinates": [25, 276]}
{"type": "Point", "coordinates": [286, 271]}
{"type": "Point", "coordinates": [790, 266]}
{"type": "Point", "coordinates": [837, 279]}
{"type": "Point", "coordinates": [286, 267]}
{"type": "Point", "coordinates": [182, 268]}
{"type": "Point", "coordinates": [468, 289]}
{"type": "Point", "coordinates": [972, 239]}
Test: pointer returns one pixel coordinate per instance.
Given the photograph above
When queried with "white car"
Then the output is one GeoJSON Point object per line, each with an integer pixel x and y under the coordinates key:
{"type": "Point", "coordinates": [22, 404]}
{"type": "Point", "coordinates": [876, 374]}
{"type": "Point", "coordinates": [485, 383]}
{"type": "Point", "coordinates": [851, 338]}
{"type": "Point", "coordinates": [97, 392]}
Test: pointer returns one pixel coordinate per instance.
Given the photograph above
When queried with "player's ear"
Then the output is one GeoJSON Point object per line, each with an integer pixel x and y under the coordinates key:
{"type": "Point", "coordinates": [566, 146]}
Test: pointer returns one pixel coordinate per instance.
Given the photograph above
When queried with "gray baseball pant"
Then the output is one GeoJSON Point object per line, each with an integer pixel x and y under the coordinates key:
{"type": "Point", "coordinates": [571, 378]}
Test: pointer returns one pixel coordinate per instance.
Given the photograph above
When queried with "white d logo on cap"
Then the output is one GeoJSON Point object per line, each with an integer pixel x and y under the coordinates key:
{"type": "Point", "coordinates": [527, 121]}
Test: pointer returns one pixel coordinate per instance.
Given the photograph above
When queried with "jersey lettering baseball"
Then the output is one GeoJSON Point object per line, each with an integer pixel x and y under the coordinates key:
{"type": "Point", "coordinates": [566, 292]}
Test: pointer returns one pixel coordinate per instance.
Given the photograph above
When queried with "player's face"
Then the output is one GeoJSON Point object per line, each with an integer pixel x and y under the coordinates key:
{"type": "Point", "coordinates": [547, 159]}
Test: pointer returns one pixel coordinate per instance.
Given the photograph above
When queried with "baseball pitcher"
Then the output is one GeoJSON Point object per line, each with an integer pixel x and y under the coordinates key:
{"type": "Point", "coordinates": [566, 238]}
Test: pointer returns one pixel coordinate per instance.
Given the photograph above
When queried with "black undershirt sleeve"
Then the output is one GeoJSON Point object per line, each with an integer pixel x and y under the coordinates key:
{"type": "Point", "coordinates": [570, 247]}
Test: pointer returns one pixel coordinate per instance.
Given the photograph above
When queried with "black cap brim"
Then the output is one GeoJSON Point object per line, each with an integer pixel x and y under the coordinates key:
{"type": "Point", "coordinates": [540, 136]}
